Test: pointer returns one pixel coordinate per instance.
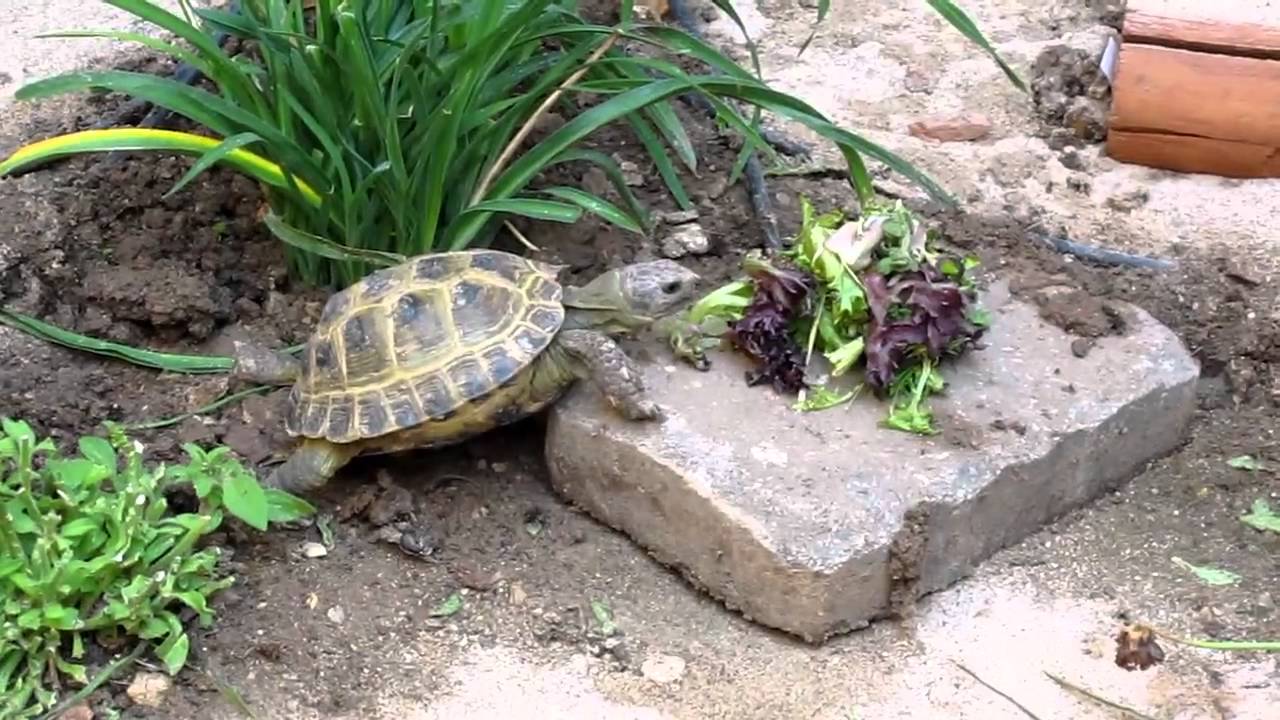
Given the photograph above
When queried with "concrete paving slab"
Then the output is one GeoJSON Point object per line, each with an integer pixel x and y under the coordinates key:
{"type": "Point", "coordinates": [817, 523]}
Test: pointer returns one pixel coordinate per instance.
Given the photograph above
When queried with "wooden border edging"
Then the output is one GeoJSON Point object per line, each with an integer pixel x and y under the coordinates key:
{"type": "Point", "coordinates": [1197, 96]}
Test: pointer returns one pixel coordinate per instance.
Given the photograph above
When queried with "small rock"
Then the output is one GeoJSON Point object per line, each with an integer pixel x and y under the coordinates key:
{"type": "Point", "coordinates": [1080, 183]}
{"type": "Point", "coordinates": [336, 615]}
{"type": "Point", "coordinates": [1109, 12]}
{"type": "Point", "coordinates": [713, 187]}
{"type": "Point", "coordinates": [1129, 200]}
{"type": "Point", "coordinates": [631, 174]}
{"type": "Point", "coordinates": [954, 128]}
{"type": "Point", "coordinates": [472, 577]}
{"type": "Point", "coordinates": [688, 239]}
{"type": "Point", "coordinates": [314, 550]}
{"type": "Point", "coordinates": [596, 182]}
{"type": "Point", "coordinates": [663, 669]}
{"type": "Point", "coordinates": [1086, 118]}
{"type": "Point", "coordinates": [195, 430]}
{"type": "Point", "coordinates": [548, 123]}
{"type": "Point", "coordinates": [917, 82]}
{"type": "Point", "coordinates": [78, 712]}
{"type": "Point", "coordinates": [1080, 347]}
{"type": "Point", "coordinates": [678, 217]}
{"type": "Point", "coordinates": [1060, 139]}
{"type": "Point", "coordinates": [248, 441]}
{"type": "Point", "coordinates": [1071, 159]}
{"type": "Point", "coordinates": [148, 688]}
{"type": "Point", "coordinates": [394, 501]}
{"type": "Point", "coordinates": [1240, 273]}
{"type": "Point", "coordinates": [516, 594]}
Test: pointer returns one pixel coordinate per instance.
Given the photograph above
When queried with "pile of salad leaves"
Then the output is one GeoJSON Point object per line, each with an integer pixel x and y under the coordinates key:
{"type": "Point", "coordinates": [873, 293]}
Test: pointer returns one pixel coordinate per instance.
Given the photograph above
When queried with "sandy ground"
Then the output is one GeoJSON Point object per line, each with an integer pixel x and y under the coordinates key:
{"type": "Point", "coordinates": [1010, 623]}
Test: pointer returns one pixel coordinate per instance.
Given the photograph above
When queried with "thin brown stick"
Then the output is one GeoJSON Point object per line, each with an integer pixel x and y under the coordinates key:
{"type": "Point", "coordinates": [527, 128]}
{"type": "Point", "coordinates": [106, 674]}
{"type": "Point", "coordinates": [520, 236]}
{"type": "Point", "coordinates": [1098, 698]}
{"type": "Point", "coordinates": [998, 691]}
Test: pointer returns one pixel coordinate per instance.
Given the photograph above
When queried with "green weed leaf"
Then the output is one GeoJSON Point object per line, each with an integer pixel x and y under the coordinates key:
{"type": "Point", "coordinates": [285, 507]}
{"type": "Point", "coordinates": [1262, 517]}
{"type": "Point", "coordinates": [99, 451]}
{"type": "Point", "coordinates": [1245, 462]}
{"type": "Point", "coordinates": [448, 607]}
{"type": "Point", "coordinates": [245, 499]}
{"type": "Point", "coordinates": [173, 652]}
{"type": "Point", "coordinates": [1208, 575]}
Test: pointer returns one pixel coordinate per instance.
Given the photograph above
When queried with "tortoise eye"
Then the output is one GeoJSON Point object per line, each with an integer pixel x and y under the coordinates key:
{"type": "Point", "coordinates": [671, 287]}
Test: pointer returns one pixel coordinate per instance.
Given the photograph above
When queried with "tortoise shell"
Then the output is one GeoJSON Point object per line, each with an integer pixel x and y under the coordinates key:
{"type": "Point", "coordinates": [416, 342]}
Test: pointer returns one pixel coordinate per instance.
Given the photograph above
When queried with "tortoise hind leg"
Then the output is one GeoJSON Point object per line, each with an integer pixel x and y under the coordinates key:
{"type": "Point", "coordinates": [311, 465]}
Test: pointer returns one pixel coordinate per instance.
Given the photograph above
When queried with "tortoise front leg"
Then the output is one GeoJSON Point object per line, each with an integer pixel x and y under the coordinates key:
{"type": "Point", "coordinates": [263, 365]}
{"type": "Point", "coordinates": [311, 465]}
{"type": "Point", "coordinates": [595, 356]}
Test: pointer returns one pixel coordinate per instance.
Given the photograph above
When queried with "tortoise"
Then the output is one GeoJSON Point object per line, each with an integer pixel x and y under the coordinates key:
{"type": "Point", "coordinates": [446, 346]}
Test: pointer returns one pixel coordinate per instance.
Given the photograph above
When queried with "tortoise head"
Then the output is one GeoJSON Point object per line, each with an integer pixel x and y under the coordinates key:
{"type": "Point", "coordinates": [630, 296]}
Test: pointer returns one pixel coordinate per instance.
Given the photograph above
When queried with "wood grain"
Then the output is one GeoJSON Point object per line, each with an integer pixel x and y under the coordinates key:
{"type": "Point", "coordinates": [1189, 154]}
{"type": "Point", "coordinates": [1206, 35]}
{"type": "Point", "coordinates": [1181, 92]}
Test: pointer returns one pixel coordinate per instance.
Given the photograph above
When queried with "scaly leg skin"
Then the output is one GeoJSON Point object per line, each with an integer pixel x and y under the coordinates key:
{"type": "Point", "coordinates": [598, 358]}
{"type": "Point", "coordinates": [311, 466]}
{"type": "Point", "coordinates": [255, 363]}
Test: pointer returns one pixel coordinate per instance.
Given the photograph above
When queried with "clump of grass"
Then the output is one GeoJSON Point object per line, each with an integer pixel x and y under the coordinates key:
{"type": "Point", "coordinates": [390, 128]}
{"type": "Point", "coordinates": [89, 548]}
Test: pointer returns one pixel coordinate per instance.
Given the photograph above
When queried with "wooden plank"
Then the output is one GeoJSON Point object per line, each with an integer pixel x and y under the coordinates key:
{"type": "Point", "coordinates": [1181, 92]}
{"type": "Point", "coordinates": [1185, 153]}
{"type": "Point", "coordinates": [1203, 34]}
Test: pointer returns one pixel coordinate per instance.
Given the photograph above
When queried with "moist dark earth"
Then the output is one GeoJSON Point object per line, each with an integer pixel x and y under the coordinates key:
{"type": "Point", "coordinates": [90, 245]}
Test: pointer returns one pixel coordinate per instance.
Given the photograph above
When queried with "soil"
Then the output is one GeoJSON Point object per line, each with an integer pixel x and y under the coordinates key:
{"type": "Point", "coordinates": [91, 245]}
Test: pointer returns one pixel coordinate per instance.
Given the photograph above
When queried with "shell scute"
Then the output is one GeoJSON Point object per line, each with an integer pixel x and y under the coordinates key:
{"type": "Point", "coordinates": [416, 342]}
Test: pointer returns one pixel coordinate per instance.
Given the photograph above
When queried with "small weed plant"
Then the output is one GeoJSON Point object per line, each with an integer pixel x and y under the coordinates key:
{"type": "Point", "coordinates": [392, 128]}
{"type": "Point", "coordinates": [91, 550]}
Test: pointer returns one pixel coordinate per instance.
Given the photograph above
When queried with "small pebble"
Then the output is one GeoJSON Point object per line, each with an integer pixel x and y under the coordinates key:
{"type": "Point", "coordinates": [951, 128]}
{"type": "Point", "coordinates": [336, 614]}
{"type": "Point", "coordinates": [516, 594]}
{"type": "Point", "coordinates": [663, 669]}
{"type": "Point", "coordinates": [688, 239]}
{"type": "Point", "coordinates": [78, 712]}
{"type": "Point", "coordinates": [148, 689]}
{"type": "Point", "coordinates": [314, 550]}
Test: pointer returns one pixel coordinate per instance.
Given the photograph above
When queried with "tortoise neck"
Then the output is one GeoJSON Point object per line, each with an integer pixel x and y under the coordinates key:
{"type": "Point", "coordinates": [605, 320]}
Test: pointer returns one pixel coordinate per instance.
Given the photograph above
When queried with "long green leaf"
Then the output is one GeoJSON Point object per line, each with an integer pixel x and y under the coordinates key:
{"type": "Point", "coordinates": [224, 71]}
{"type": "Point", "coordinates": [529, 207]}
{"type": "Point", "coordinates": [967, 27]}
{"type": "Point", "coordinates": [613, 172]}
{"type": "Point", "coordinates": [327, 248]}
{"type": "Point", "coordinates": [215, 154]}
{"type": "Point", "coordinates": [169, 362]}
{"type": "Point", "coordinates": [120, 139]}
{"type": "Point", "coordinates": [597, 206]}
{"type": "Point", "coordinates": [216, 113]}
{"type": "Point", "coordinates": [174, 51]}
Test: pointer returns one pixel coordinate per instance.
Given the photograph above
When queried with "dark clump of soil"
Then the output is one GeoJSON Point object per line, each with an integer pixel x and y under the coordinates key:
{"type": "Point", "coordinates": [92, 245]}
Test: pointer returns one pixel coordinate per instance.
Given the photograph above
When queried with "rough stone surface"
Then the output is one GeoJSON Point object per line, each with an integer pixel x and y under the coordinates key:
{"type": "Point", "coordinates": [818, 523]}
{"type": "Point", "coordinates": [951, 128]}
